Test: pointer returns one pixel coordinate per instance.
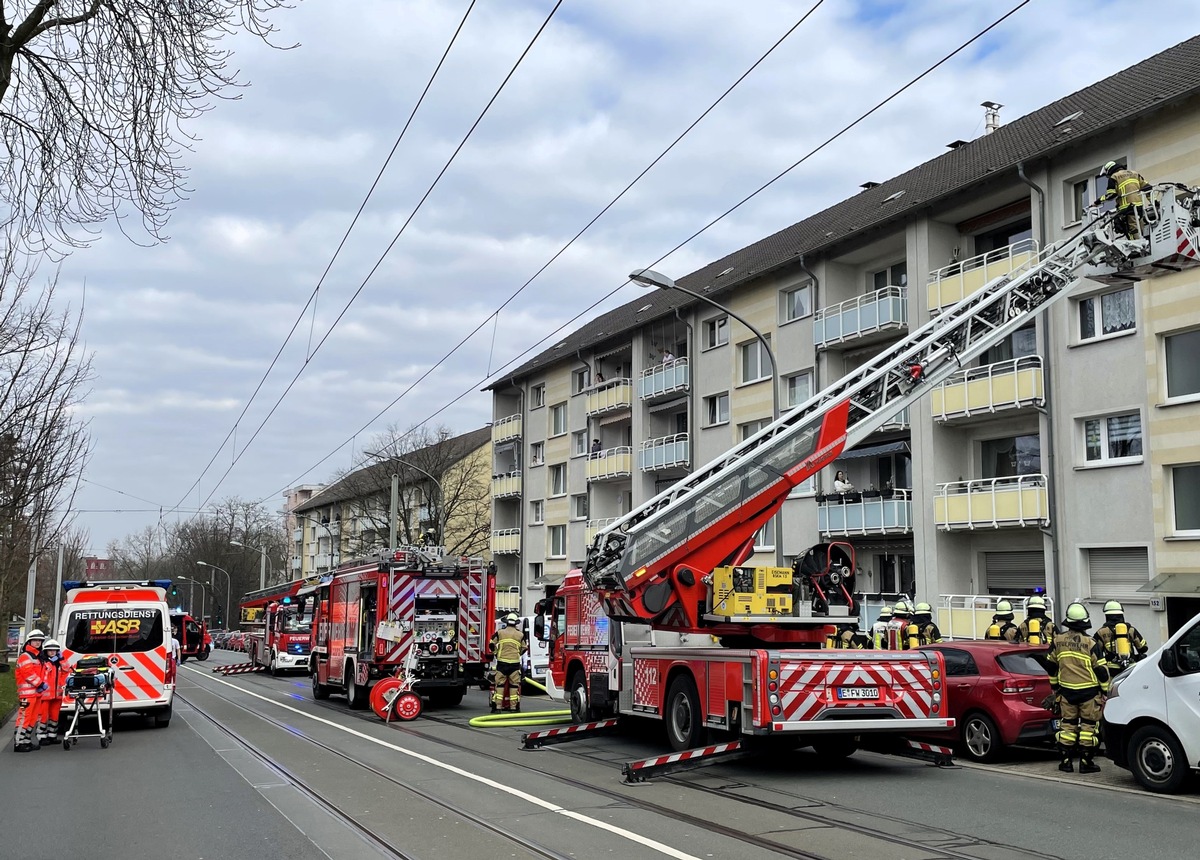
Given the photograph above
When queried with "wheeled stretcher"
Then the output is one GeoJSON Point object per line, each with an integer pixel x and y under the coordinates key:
{"type": "Point", "coordinates": [90, 687]}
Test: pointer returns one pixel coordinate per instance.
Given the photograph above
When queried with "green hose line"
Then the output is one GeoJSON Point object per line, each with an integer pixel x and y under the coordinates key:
{"type": "Point", "coordinates": [529, 718]}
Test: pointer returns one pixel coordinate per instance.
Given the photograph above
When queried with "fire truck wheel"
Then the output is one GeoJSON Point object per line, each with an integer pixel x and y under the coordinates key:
{"type": "Point", "coordinates": [835, 747]}
{"type": "Point", "coordinates": [357, 697]}
{"type": "Point", "coordinates": [272, 666]}
{"type": "Point", "coordinates": [319, 690]}
{"type": "Point", "coordinates": [577, 696]}
{"type": "Point", "coordinates": [685, 723]}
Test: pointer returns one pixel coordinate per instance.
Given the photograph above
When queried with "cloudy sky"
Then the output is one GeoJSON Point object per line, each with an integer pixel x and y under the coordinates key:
{"type": "Point", "coordinates": [183, 332]}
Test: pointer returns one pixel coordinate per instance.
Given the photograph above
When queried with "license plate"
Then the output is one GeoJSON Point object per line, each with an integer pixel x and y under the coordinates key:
{"type": "Point", "coordinates": [858, 692]}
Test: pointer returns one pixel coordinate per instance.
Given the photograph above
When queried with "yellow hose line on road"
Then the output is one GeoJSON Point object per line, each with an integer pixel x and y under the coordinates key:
{"type": "Point", "coordinates": [505, 719]}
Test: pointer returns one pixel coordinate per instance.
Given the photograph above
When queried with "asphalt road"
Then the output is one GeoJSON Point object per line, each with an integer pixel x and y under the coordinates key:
{"type": "Point", "coordinates": [438, 788]}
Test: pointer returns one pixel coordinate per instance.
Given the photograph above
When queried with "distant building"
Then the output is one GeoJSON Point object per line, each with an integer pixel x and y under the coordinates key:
{"type": "Point", "coordinates": [97, 568]}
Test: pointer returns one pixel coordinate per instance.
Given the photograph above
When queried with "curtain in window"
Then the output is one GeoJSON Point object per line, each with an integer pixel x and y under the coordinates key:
{"type": "Point", "coordinates": [1125, 436]}
{"type": "Point", "coordinates": [1118, 311]}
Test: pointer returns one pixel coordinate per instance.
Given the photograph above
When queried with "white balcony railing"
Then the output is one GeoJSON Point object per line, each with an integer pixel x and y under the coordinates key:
{"type": "Point", "coordinates": [878, 311]}
{"type": "Point", "coordinates": [1010, 384]}
{"type": "Point", "coordinates": [506, 541]}
{"type": "Point", "coordinates": [298, 534]}
{"type": "Point", "coordinates": [594, 526]}
{"type": "Point", "coordinates": [610, 396]}
{"type": "Point", "coordinates": [951, 284]}
{"type": "Point", "coordinates": [506, 429]}
{"type": "Point", "coordinates": [296, 562]}
{"type": "Point", "coordinates": [992, 503]}
{"type": "Point", "coordinates": [666, 452]}
{"type": "Point", "coordinates": [609, 464]}
{"type": "Point", "coordinates": [899, 421]}
{"type": "Point", "coordinates": [506, 486]}
{"type": "Point", "coordinates": [672, 377]}
{"type": "Point", "coordinates": [968, 616]}
{"type": "Point", "coordinates": [871, 512]}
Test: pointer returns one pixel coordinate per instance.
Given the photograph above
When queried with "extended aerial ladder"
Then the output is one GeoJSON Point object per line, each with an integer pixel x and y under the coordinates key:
{"type": "Point", "coordinates": [654, 565]}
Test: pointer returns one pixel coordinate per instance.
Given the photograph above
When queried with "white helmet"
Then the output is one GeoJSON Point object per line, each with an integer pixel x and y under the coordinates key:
{"type": "Point", "coordinates": [511, 619]}
{"type": "Point", "coordinates": [34, 634]}
{"type": "Point", "coordinates": [51, 643]}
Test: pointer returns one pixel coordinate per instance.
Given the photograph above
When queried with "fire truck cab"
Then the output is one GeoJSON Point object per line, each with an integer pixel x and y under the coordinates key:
{"type": "Point", "coordinates": [278, 625]}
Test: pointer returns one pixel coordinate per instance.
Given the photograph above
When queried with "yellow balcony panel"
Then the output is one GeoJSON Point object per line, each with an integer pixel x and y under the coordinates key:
{"type": "Point", "coordinates": [610, 396]}
{"type": "Point", "coordinates": [593, 527]}
{"type": "Point", "coordinates": [982, 391]}
{"type": "Point", "coordinates": [968, 616]}
{"type": "Point", "coordinates": [951, 284]}
{"type": "Point", "coordinates": [506, 486]}
{"type": "Point", "coordinates": [610, 464]}
{"type": "Point", "coordinates": [506, 429]}
{"type": "Point", "coordinates": [506, 542]}
{"type": "Point", "coordinates": [1020, 501]}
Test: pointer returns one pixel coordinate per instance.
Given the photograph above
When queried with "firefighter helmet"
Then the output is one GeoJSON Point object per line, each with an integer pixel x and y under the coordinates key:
{"type": "Point", "coordinates": [1113, 608]}
{"type": "Point", "coordinates": [1077, 613]}
{"type": "Point", "coordinates": [885, 613]}
{"type": "Point", "coordinates": [511, 619]}
{"type": "Point", "coordinates": [924, 609]}
{"type": "Point", "coordinates": [1108, 168]}
{"type": "Point", "coordinates": [1035, 602]}
{"type": "Point", "coordinates": [34, 634]}
{"type": "Point", "coordinates": [1004, 609]}
{"type": "Point", "coordinates": [901, 608]}
{"type": "Point", "coordinates": [51, 643]}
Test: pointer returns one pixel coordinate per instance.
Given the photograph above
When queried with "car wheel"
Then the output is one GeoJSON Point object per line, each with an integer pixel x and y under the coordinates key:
{"type": "Point", "coordinates": [162, 718]}
{"type": "Point", "coordinates": [1157, 760]}
{"type": "Point", "coordinates": [685, 722]}
{"type": "Point", "coordinates": [319, 690]}
{"type": "Point", "coordinates": [980, 738]}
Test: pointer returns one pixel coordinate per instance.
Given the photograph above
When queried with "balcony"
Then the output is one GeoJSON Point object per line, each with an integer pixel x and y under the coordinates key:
{"type": "Point", "coordinates": [610, 396]}
{"type": "Point", "coordinates": [951, 284]}
{"type": "Point", "coordinates": [862, 319]}
{"type": "Point", "coordinates": [667, 452]}
{"type": "Point", "coordinates": [870, 512]}
{"type": "Point", "coordinates": [663, 380]}
{"type": "Point", "coordinates": [984, 391]}
{"type": "Point", "coordinates": [593, 527]}
{"type": "Point", "coordinates": [506, 429]}
{"type": "Point", "coordinates": [506, 542]}
{"type": "Point", "coordinates": [610, 464]}
{"type": "Point", "coordinates": [296, 561]}
{"type": "Point", "coordinates": [1020, 501]}
{"type": "Point", "coordinates": [297, 534]}
{"type": "Point", "coordinates": [506, 486]}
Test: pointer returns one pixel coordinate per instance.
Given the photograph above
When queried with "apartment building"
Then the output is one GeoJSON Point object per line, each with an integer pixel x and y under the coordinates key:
{"type": "Point", "coordinates": [1064, 459]}
{"type": "Point", "coordinates": [443, 497]}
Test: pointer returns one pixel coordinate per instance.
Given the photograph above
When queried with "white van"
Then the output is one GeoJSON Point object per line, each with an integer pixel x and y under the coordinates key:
{"type": "Point", "coordinates": [539, 651]}
{"type": "Point", "coordinates": [1152, 716]}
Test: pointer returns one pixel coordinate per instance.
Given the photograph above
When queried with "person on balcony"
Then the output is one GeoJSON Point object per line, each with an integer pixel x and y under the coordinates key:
{"type": "Point", "coordinates": [841, 484]}
{"type": "Point", "coordinates": [597, 450]}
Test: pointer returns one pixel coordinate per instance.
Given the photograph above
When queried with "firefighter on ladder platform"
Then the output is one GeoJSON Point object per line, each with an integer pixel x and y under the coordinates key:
{"type": "Point", "coordinates": [29, 689]}
{"type": "Point", "coordinates": [508, 644]}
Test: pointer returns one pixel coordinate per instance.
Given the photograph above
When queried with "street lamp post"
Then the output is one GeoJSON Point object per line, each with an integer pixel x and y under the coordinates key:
{"type": "Point", "coordinates": [441, 521]}
{"type": "Point", "coordinates": [262, 566]}
{"type": "Point", "coordinates": [651, 278]}
{"type": "Point", "coordinates": [228, 584]}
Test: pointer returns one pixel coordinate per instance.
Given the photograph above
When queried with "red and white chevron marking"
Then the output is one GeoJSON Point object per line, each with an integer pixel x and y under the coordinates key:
{"type": "Point", "coordinates": [930, 748]}
{"type": "Point", "coordinates": [138, 676]}
{"type": "Point", "coordinates": [810, 687]}
{"type": "Point", "coordinates": [1186, 247]}
{"type": "Point", "coordinates": [686, 755]}
{"type": "Point", "coordinates": [571, 730]}
{"type": "Point", "coordinates": [238, 668]}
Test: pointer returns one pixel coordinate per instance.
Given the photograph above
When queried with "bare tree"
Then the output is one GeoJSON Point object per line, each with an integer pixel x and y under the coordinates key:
{"type": "Point", "coordinates": [93, 95]}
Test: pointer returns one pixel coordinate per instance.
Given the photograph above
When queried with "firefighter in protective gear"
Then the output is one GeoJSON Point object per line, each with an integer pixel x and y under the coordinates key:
{"type": "Point", "coordinates": [1079, 678]}
{"type": "Point", "coordinates": [910, 629]}
{"type": "Point", "coordinates": [847, 636]}
{"type": "Point", "coordinates": [1126, 186]}
{"type": "Point", "coordinates": [879, 629]}
{"type": "Point", "coordinates": [54, 678]}
{"type": "Point", "coordinates": [1002, 627]}
{"type": "Point", "coordinates": [926, 628]}
{"type": "Point", "coordinates": [29, 689]}
{"type": "Point", "coordinates": [508, 644]}
{"type": "Point", "coordinates": [1037, 628]}
{"type": "Point", "coordinates": [901, 617]}
{"type": "Point", "coordinates": [1122, 643]}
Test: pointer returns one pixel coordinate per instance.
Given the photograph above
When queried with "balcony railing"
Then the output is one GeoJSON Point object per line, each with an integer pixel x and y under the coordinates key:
{"type": "Point", "coordinates": [880, 311]}
{"type": "Point", "coordinates": [613, 463]}
{"type": "Point", "coordinates": [968, 616]}
{"type": "Point", "coordinates": [506, 486]}
{"type": "Point", "coordinates": [899, 421]}
{"type": "Point", "coordinates": [298, 534]}
{"type": "Point", "coordinates": [296, 562]}
{"type": "Point", "coordinates": [992, 503]}
{"type": "Point", "coordinates": [663, 379]}
{"type": "Point", "coordinates": [1010, 384]}
{"type": "Point", "coordinates": [951, 284]}
{"type": "Point", "coordinates": [506, 541]}
{"type": "Point", "coordinates": [594, 526]}
{"type": "Point", "coordinates": [610, 396]}
{"type": "Point", "coordinates": [667, 452]}
{"type": "Point", "coordinates": [506, 429]}
{"type": "Point", "coordinates": [871, 512]}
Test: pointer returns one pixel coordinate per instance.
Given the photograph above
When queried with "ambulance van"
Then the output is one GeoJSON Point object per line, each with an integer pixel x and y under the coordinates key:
{"type": "Point", "coordinates": [128, 624]}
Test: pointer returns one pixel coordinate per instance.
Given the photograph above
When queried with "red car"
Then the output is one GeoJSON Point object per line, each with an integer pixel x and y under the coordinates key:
{"type": "Point", "coordinates": [994, 692]}
{"type": "Point", "coordinates": [236, 641]}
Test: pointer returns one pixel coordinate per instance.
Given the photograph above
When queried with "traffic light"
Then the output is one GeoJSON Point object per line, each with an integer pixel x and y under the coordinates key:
{"type": "Point", "coordinates": [174, 590]}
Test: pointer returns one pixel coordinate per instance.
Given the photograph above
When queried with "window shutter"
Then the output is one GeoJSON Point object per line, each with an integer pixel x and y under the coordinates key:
{"type": "Point", "coordinates": [1118, 572]}
{"type": "Point", "coordinates": [1014, 572]}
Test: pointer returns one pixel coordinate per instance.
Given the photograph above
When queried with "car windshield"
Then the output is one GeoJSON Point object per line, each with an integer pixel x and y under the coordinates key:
{"type": "Point", "coordinates": [1020, 663]}
{"type": "Point", "coordinates": [121, 631]}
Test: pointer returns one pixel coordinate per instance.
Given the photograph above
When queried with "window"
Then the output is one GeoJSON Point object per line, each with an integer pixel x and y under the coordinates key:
{"type": "Point", "coordinates": [716, 332]}
{"type": "Point", "coordinates": [756, 364]}
{"type": "Point", "coordinates": [958, 663]}
{"type": "Point", "coordinates": [1183, 364]}
{"type": "Point", "coordinates": [1082, 193]}
{"type": "Point", "coordinates": [580, 380]}
{"type": "Point", "coordinates": [1106, 314]}
{"type": "Point", "coordinates": [807, 487]}
{"type": "Point", "coordinates": [1118, 572]}
{"type": "Point", "coordinates": [114, 629]}
{"type": "Point", "coordinates": [558, 480]}
{"type": "Point", "coordinates": [716, 410]}
{"type": "Point", "coordinates": [764, 538]}
{"type": "Point", "coordinates": [1019, 344]}
{"type": "Point", "coordinates": [1002, 237]}
{"type": "Point", "coordinates": [1185, 489]}
{"type": "Point", "coordinates": [535, 571]}
{"type": "Point", "coordinates": [892, 276]}
{"type": "Point", "coordinates": [558, 419]}
{"type": "Point", "coordinates": [537, 453]}
{"type": "Point", "coordinates": [745, 431]}
{"type": "Point", "coordinates": [579, 507]}
{"type": "Point", "coordinates": [1015, 455]}
{"type": "Point", "coordinates": [537, 396]}
{"type": "Point", "coordinates": [537, 512]}
{"type": "Point", "coordinates": [579, 443]}
{"type": "Point", "coordinates": [795, 303]}
{"type": "Point", "coordinates": [558, 541]}
{"type": "Point", "coordinates": [798, 388]}
{"type": "Point", "coordinates": [1115, 438]}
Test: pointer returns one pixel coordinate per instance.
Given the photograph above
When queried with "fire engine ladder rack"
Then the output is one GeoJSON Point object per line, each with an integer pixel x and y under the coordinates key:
{"type": "Point", "coordinates": [890, 382]}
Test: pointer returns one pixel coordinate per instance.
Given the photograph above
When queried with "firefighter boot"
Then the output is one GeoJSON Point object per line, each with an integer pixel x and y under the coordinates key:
{"type": "Point", "coordinates": [1086, 765]}
{"type": "Point", "coordinates": [1066, 752]}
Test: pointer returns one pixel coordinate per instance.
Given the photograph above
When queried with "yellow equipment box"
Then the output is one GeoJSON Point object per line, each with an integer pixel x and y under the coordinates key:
{"type": "Point", "coordinates": [751, 591]}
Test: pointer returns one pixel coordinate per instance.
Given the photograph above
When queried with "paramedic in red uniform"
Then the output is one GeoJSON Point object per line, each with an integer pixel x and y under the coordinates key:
{"type": "Point", "coordinates": [54, 678]}
{"type": "Point", "coordinates": [29, 688]}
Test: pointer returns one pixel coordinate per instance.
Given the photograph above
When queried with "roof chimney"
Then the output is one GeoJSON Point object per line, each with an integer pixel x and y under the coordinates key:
{"type": "Point", "coordinates": [991, 116]}
{"type": "Point", "coordinates": [867, 186]}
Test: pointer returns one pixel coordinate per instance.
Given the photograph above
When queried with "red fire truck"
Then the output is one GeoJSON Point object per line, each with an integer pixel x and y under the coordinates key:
{"type": "Point", "coordinates": [407, 613]}
{"type": "Point", "coordinates": [278, 625]}
{"type": "Point", "coordinates": [194, 641]}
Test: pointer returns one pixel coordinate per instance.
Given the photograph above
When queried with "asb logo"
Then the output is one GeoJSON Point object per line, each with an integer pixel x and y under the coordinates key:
{"type": "Point", "coordinates": [116, 627]}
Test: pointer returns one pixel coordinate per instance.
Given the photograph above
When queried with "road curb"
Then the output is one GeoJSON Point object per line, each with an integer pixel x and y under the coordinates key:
{"type": "Point", "coordinates": [1077, 781]}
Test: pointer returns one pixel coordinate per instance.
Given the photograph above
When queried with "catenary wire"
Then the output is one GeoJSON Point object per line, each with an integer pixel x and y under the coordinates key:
{"type": "Point", "coordinates": [337, 252]}
{"type": "Point", "coordinates": [845, 129]}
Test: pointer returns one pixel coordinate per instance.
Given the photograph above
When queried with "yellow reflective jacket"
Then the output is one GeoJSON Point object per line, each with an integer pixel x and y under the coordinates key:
{"type": "Point", "coordinates": [508, 644]}
{"type": "Point", "coordinates": [1078, 669]}
{"type": "Point", "coordinates": [1127, 187]}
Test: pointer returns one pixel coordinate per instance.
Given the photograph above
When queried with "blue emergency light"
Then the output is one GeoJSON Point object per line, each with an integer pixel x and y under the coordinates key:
{"type": "Point", "coordinates": [287, 600]}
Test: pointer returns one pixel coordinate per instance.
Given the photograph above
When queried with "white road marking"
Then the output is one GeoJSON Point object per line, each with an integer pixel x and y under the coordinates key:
{"type": "Point", "coordinates": [533, 799]}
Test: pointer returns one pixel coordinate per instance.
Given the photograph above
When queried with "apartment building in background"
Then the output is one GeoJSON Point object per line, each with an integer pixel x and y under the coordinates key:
{"type": "Point", "coordinates": [1065, 459]}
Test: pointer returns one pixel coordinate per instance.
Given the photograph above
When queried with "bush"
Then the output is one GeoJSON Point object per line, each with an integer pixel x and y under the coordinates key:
{"type": "Point", "coordinates": [8, 693]}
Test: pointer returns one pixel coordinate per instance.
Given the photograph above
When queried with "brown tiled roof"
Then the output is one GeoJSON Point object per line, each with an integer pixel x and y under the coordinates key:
{"type": "Point", "coordinates": [1152, 85]}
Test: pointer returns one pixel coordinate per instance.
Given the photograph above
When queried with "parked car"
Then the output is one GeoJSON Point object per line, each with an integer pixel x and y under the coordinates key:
{"type": "Point", "coordinates": [220, 637]}
{"type": "Point", "coordinates": [994, 691]}
{"type": "Point", "coordinates": [236, 641]}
